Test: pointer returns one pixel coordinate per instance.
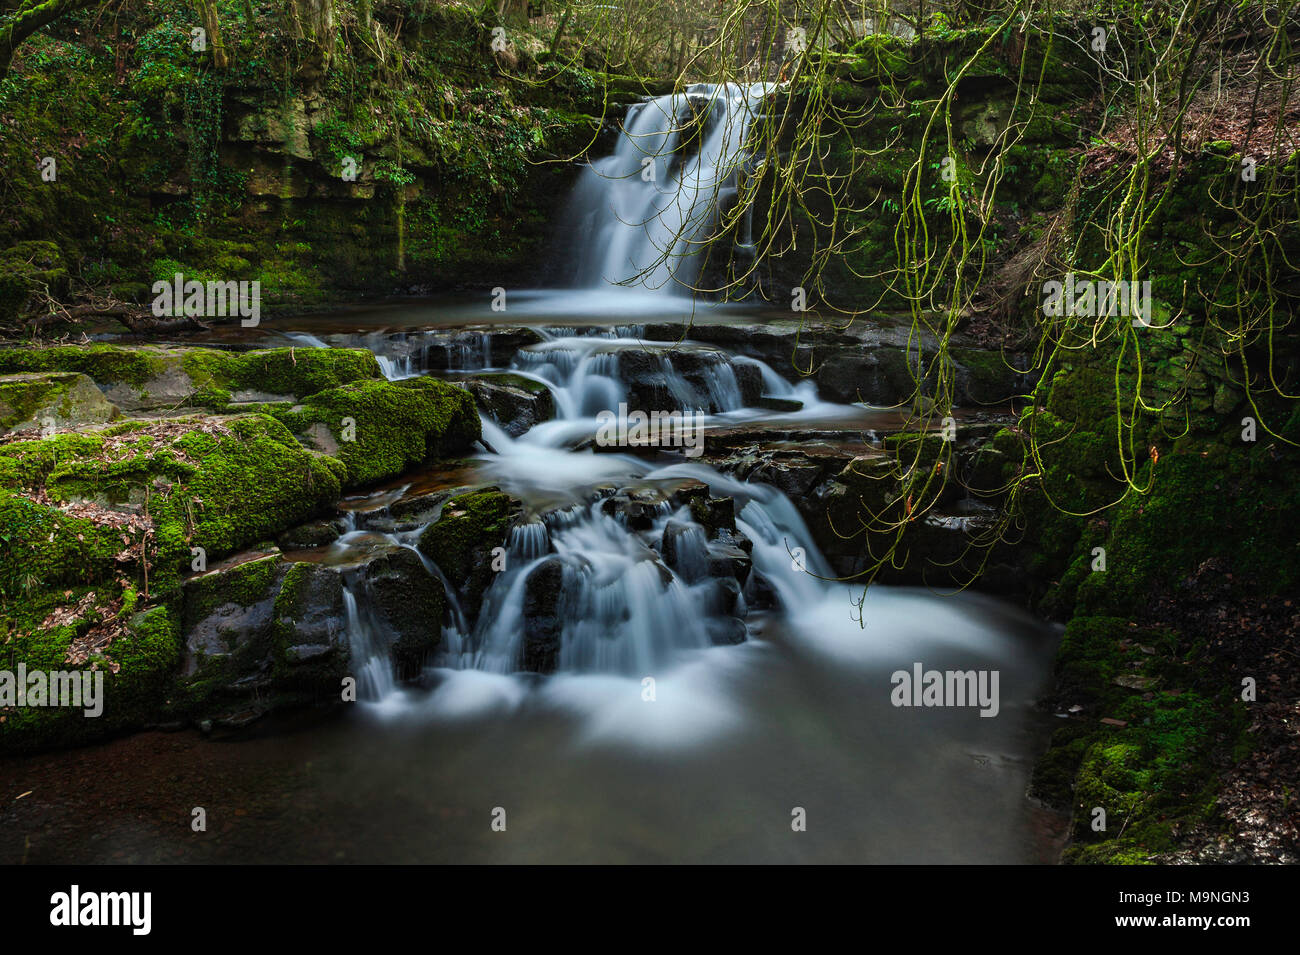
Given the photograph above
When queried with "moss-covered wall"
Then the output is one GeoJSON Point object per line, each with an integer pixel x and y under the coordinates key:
{"type": "Point", "coordinates": [164, 163]}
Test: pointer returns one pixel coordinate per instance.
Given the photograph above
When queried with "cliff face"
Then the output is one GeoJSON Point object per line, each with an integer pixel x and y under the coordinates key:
{"type": "Point", "coordinates": [394, 150]}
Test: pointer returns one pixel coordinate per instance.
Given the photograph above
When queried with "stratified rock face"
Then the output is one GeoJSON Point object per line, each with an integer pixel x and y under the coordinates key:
{"type": "Point", "coordinates": [51, 400]}
{"type": "Point", "coordinates": [410, 604]}
{"type": "Point", "coordinates": [687, 378]}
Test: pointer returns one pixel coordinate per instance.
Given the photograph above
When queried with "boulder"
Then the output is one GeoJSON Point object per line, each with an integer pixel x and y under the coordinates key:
{"type": "Point", "coordinates": [410, 604]}
{"type": "Point", "coordinates": [512, 401]}
{"type": "Point", "coordinates": [50, 401]}
{"type": "Point", "coordinates": [461, 541]}
{"type": "Point", "coordinates": [543, 623]}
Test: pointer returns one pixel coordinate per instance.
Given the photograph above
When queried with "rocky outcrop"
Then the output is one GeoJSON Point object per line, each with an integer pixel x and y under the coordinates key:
{"type": "Point", "coordinates": [543, 617]}
{"type": "Point", "coordinates": [512, 401]}
{"type": "Point", "coordinates": [260, 634]}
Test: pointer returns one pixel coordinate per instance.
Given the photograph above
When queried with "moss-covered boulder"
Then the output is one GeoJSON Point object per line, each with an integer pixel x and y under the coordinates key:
{"type": "Point", "coordinates": [226, 621]}
{"type": "Point", "coordinates": [261, 634]}
{"type": "Point", "coordinates": [410, 605]}
{"type": "Point", "coordinates": [97, 529]}
{"type": "Point", "coordinates": [379, 428]}
{"type": "Point", "coordinates": [312, 654]}
{"type": "Point", "coordinates": [462, 540]}
{"type": "Point", "coordinates": [514, 402]}
{"type": "Point", "coordinates": [220, 483]}
{"type": "Point", "coordinates": [275, 373]}
{"type": "Point", "coordinates": [138, 378]}
{"type": "Point", "coordinates": [51, 400]}
{"type": "Point", "coordinates": [97, 635]}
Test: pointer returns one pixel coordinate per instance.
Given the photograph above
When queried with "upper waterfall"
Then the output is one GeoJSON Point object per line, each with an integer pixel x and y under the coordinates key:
{"type": "Point", "coordinates": [643, 213]}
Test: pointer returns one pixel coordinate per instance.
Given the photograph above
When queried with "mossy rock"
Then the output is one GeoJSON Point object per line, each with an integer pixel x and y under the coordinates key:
{"type": "Point", "coordinates": [52, 400]}
{"type": "Point", "coordinates": [293, 372]}
{"type": "Point", "coordinates": [103, 364]}
{"type": "Point", "coordinates": [149, 377]}
{"type": "Point", "coordinates": [411, 605]}
{"type": "Point", "coordinates": [137, 667]}
{"type": "Point", "coordinates": [312, 654]}
{"type": "Point", "coordinates": [379, 428]}
{"type": "Point", "coordinates": [514, 402]}
{"type": "Point", "coordinates": [227, 615]}
{"type": "Point", "coordinates": [220, 483]}
{"type": "Point", "coordinates": [463, 538]}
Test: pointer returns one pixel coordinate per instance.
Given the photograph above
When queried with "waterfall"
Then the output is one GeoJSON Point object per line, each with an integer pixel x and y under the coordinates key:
{"type": "Point", "coordinates": [644, 211]}
{"type": "Point", "coordinates": [609, 572]}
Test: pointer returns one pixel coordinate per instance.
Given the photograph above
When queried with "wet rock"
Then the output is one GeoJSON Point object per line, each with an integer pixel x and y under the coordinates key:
{"type": "Point", "coordinates": [880, 376]}
{"type": "Point", "coordinates": [543, 624]}
{"type": "Point", "coordinates": [689, 491]}
{"type": "Point", "coordinates": [258, 635]}
{"type": "Point", "coordinates": [313, 534]}
{"type": "Point", "coordinates": [512, 401]}
{"type": "Point", "coordinates": [684, 549]}
{"type": "Point", "coordinates": [419, 509]}
{"type": "Point", "coordinates": [730, 559]}
{"type": "Point", "coordinates": [775, 403]}
{"type": "Point", "coordinates": [311, 624]}
{"type": "Point", "coordinates": [636, 509]}
{"type": "Point", "coordinates": [410, 604]}
{"type": "Point", "coordinates": [794, 476]}
{"type": "Point", "coordinates": [462, 540]}
{"type": "Point", "coordinates": [727, 631]}
{"type": "Point", "coordinates": [657, 377]}
{"type": "Point", "coordinates": [226, 620]}
{"type": "Point", "coordinates": [714, 514]}
{"type": "Point", "coordinates": [726, 597]}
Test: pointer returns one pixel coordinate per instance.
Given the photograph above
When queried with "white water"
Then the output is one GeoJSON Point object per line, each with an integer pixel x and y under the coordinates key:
{"type": "Point", "coordinates": [647, 207]}
{"type": "Point", "coordinates": [798, 714]}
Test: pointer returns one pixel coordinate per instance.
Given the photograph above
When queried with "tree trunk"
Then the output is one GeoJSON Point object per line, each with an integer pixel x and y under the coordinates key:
{"type": "Point", "coordinates": [29, 17]}
{"type": "Point", "coordinates": [212, 24]}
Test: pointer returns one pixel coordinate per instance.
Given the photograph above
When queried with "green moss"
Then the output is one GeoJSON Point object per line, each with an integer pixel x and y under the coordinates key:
{"type": "Point", "coordinates": [26, 269]}
{"type": "Point", "coordinates": [252, 485]}
{"type": "Point", "coordinates": [281, 371]}
{"type": "Point", "coordinates": [244, 584]}
{"type": "Point", "coordinates": [461, 541]}
{"type": "Point", "coordinates": [103, 364]}
{"type": "Point", "coordinates": [144, 656]}
{"type": "Point", "coordinates": [379, 428]}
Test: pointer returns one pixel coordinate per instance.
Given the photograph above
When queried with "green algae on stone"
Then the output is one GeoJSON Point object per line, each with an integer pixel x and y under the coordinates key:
{"type": "Point", "coordinates": [378, 429]}
{"type": "Point", "coordinates": [40, 400]}
{"type": "Point", "coordinates": [462, 540]}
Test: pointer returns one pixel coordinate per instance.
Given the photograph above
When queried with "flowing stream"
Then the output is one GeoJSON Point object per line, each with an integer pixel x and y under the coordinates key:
{"type": "Point", "coordinates": [707, 689]}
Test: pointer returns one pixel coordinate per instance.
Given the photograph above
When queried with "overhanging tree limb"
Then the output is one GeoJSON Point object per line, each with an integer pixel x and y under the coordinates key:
{"type": "Point", "coordinates": [26, 19]}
